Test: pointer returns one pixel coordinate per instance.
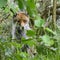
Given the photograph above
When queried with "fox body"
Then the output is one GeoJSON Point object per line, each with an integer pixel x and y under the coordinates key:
{"type": "Point", "coordinates": [20, 25]}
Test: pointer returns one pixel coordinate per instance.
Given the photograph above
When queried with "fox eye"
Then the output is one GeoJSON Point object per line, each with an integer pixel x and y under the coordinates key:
{"type": "Point", "coordinates": [18, 21]}
{"type": "Point", "coordinates": [24, 21]}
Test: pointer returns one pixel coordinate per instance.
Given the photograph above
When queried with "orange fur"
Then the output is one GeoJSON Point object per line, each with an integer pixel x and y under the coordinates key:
{"type": "Point", "coordinates": [22, 18]}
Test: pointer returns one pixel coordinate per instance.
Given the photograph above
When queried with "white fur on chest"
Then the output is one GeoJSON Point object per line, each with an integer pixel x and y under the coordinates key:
{"type": "Point", "coordinates": [13, 30]}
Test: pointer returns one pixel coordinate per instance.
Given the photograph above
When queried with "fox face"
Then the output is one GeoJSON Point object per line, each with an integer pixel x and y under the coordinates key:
{"type": "Point", "coordinates": [22, 19]}
{"type": "Point", "coordinates": [20, 25]}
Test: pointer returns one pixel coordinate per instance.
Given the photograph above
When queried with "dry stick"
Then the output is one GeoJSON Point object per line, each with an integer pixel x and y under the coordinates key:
{"type": "Point", "coordinates": [54, 14]}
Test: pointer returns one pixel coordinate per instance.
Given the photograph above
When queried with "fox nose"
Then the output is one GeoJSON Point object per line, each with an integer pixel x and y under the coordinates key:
{"type": "Point", "coordinates": [26, 26]}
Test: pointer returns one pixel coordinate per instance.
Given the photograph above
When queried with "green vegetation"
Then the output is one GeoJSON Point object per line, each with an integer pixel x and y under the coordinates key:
{"type": "Point", "coordinates": [44, 36]}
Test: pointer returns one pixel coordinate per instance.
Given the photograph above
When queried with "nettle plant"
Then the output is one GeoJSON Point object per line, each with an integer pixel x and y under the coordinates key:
{"type": "Point", "coordinates": [42, 35]}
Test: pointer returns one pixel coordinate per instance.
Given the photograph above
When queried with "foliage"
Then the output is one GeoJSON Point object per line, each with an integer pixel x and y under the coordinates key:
{"type": "Point", "coordinates": [3, 3]}
{"type": "Point", "coordinates": [45, 40]}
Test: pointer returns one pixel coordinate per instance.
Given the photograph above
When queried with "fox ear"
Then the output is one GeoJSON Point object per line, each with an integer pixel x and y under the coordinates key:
{"type": "Point", "coordinates": [27, 14]}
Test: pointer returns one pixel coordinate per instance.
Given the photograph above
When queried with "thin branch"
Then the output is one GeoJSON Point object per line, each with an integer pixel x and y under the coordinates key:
{"type": "Point", "coordinates": [54, 14]}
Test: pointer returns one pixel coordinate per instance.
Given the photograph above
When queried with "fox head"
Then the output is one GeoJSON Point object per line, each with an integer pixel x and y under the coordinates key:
{"type": "Point", "coordinates": [22, 19]}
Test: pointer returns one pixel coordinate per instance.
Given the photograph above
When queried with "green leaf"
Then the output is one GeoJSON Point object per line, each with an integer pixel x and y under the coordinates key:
{"type": "Point", "coordinates": [17, 56]}
{"type": "Point", "coordinates": [23, 54]}
{"type": "Point", "coordinates": [31, 4]}
{"type": "Point", "coordinates": [15, 44]}
{"type": "Point", "coordinates": [31, 7]}
{"type": "Point", "coordinates": [7, 10]}
{"type": "Point", "coordinates": [30, 42]}
{"type": "Point", "coordinates": [49, 30]}
{"type": "Point", "coordinates": [3, 3]}
{"type": "Point", "coordinates": [21, 4]}
{"type": "Point", "coordinates": [47, 41]}
{"type": "Point", "coordinates": [30, 33]}
{"type": "Point", "coordinates": [39, 22]}
{"type": "Point", "coordinates": [57, 37]}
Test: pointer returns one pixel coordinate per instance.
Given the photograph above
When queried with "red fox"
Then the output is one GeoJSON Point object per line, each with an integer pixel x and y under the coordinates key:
{"type": "Point", "coordinates": [22, 19]}
{"type": "Point", "coordinates": [21, 23]}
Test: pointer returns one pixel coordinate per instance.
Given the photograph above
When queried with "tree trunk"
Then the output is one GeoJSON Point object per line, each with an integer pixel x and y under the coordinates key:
{"type": "Point", "coordinates": [54, 14]}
